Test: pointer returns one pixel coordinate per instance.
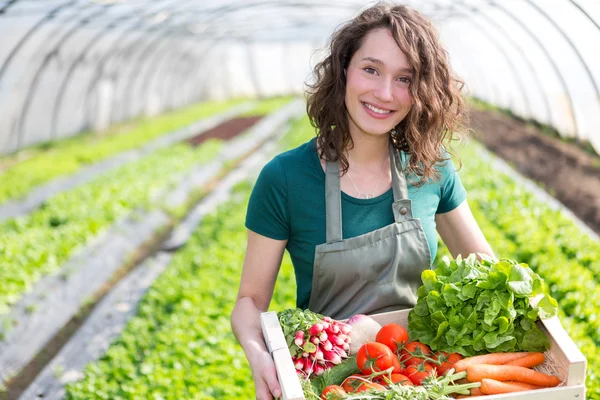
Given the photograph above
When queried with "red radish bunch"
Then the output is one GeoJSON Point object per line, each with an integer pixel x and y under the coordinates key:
{"type": "Point", "coordinates": [318, 342]}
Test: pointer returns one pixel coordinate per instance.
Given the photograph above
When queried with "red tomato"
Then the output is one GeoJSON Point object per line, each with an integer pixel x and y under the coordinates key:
{"type": "Point", "coordinates": [394, 378]}
{"type": "Point", "coordinates": [447, 360]}
{"type": "Point", "coordinates": [335, 390]}
{"type": "Point", "coordinates": [374, 357]}
{"type": "Point", "coordinates": [413, 353]}
{"type": "Point", "coordinates": [397, 366]}
{"type": "Point", "coordinates": [353, 382]}
{"type": "Point", "coordinates": [369, 385]}
{"type": "Point", "coordinates": [393, 336]}
{"type": "Point", "coordinates": [416, 373]}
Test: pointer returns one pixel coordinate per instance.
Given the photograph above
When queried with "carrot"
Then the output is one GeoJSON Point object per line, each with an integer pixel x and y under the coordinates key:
{"type": "Point", "coordinates": [475, 373]}
{"type": "Point", "coordinates": [477, 392]}
{"type": "Point", "coordinates": [525, 385]}
{"type": "Point", "coordinates": [492, 386]}
{"type": "Point", "coordinates": [530, 360]}
{"type": "Point", "coordinates": [492, 358]}
{"type": "Point", "coordinates": [474, 393]}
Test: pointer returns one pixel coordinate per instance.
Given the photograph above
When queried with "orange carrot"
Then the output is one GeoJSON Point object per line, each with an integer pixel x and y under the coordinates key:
{"type": "Point", "coordinates": [474, 393]}
{"type": "Point", "coordinates": [525, 385]}
{"type": "Point", "coordinates": [475, 373]}
{"type": "Point", "coordinates": [530, 360]}
{"type": "Point", "coordinates": [492, 358]}
{"type": "Point", "coordinates": [492, 386]}
{"type": "Point", "coordinates": [477, 392]}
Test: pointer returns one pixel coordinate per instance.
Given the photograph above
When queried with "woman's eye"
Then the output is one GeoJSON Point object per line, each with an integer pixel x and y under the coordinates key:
{"type": "Point", "coordinates": [404, 79]}
{"type": "Point", "coordinates": [370, 70]}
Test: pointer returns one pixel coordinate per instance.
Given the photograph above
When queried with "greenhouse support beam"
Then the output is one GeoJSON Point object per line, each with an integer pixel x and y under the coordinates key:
{"type": "Point", "coordinates": [49, 57]}
{"type": "Point", "coordinates": [544, 49]}
{"type": "Point", "coordinates": [571, 44]}
{"type": "Point", "coordinates": [519, 49]}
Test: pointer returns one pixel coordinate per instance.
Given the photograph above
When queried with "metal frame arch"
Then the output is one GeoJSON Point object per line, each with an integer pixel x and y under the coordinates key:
{"type": "Point", "coordinates": [519, 49]}
{"type": "Point", "coordinates": [113, 23]}
{"type": "Point", "coordinates": [520, 84]}
{"type": "Point", "coordinates": [71, 69]}
{"type": "Point", "coordinates": [166, 60]}
{"type": "Point", "coordinates": [49, 57]}
{"type": "Point", "coordinates": [571, 44]}
{"type": "Point", "coordinates": [7, 6]}
{"type": "Point", "coordinates": [549, 58]}
{"type": "Point", "coordinates": [592, 20]}
{"type": "Point", "coordinates": [110, 55]}
{"type": "Point", "coordinates": [489, 86]}
{"type": "Point", "coordinates": [28, 34]}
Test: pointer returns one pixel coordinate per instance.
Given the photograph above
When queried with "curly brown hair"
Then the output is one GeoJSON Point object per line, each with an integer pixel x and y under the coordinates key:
{"type": "Point", "coordinates": [438, 113]}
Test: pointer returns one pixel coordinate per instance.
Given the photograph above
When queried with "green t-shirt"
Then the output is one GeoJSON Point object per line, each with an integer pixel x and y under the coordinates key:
{"type": "Point", "coordinates": [288, 203]}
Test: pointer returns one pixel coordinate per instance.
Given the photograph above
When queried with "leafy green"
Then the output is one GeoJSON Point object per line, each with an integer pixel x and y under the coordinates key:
{"type": "Point", "coordinates": [294, 320]}
{"type": "Point", "coordinates": [66, 156]}
{"type": "Point", "coordinates": [336, 374]}
{"type": "Point", "coordinates": [471, 307]}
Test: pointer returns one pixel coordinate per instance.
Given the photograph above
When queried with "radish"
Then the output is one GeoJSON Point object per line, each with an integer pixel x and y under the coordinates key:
{"type": "Point", "coordinates": [364, 330]}
{"type": "Point", "coordinates": [316, 342]}
{"type": "Point", "coordinates": [299, 338]}
{"type": "Point", "coordinates": [322, 336]}
{"type": "Point", "coordinates": [316, 329]}
{"type": "Point", "coordinates": [332, 357]}
{"type": "Point", "coordinates": [326, 345]}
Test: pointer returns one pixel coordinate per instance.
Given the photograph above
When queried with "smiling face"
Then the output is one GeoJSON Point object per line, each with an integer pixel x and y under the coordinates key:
{"type": "Point", "coordinates": [377, 85]}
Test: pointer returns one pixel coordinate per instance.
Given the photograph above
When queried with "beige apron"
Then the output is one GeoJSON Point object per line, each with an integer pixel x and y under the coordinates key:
{"type": "Point", "coordinates": [375, 272]}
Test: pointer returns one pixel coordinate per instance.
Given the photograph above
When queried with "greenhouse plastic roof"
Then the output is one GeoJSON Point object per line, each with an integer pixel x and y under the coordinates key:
{"type": "Point", "coordinates": [74, 65]}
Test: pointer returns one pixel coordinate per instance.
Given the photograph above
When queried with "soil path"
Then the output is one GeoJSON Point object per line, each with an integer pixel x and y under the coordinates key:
{"type": "Point", "coordinates": [568, 172]}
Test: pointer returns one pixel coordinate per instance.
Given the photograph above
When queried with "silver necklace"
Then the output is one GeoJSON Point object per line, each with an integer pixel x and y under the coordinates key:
{"type": "Point", "coordinates": [371, 194]}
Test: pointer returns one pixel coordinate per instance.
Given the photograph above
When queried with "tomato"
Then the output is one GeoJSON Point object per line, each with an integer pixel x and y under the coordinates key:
{"type": "Point", "coordinates": [335, 391]}
{"type": "Point", "coordinates": [447, 360]}
{"type": "Point", "coordinates": [416, 373]}
{"type": "Point", "coordinates": [374, 357]}
{"type": "Point", "coordinates": [413, 353]}
{"type": "Point", "coordinates": [393, 336]}
{"type": "Point", "coordinates": [353, 382]}
{"type": "Point", "coordinates": [369, 385]}
{"type": "Point", "coordinates": [397, 366]}
{"type": "Point", "coordinates": [394, 378]}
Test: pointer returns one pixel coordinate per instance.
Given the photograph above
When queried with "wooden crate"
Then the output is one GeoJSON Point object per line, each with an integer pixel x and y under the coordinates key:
{"type": "Point", "coordinates": [564, 356]}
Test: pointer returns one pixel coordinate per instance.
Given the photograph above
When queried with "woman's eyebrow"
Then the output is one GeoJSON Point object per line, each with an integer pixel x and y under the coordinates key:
{"type": "Point", "coordinates": [379, 62]}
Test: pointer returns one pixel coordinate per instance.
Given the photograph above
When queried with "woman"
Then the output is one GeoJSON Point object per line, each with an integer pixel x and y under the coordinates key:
{"type": "Point", "coordinates": [357, 207]}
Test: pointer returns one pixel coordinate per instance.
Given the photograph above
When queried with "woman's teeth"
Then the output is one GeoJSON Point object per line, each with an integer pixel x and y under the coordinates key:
{"type": "Point", "coordinates": [377, 110]}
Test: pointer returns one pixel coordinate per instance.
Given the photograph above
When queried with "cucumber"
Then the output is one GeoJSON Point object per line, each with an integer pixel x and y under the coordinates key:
{"type": "Point", "coordinates": [336, 375]}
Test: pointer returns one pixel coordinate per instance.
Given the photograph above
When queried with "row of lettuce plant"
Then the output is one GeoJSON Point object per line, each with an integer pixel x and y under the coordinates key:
{"type": "Point", "coordinates": [36, 244]}
{"type": "Point", "coordinates": [55, 159]}
{"type": "Point", "coordinates": [522, 227]}
{"type": "Point", "coordinates": [180, 345]}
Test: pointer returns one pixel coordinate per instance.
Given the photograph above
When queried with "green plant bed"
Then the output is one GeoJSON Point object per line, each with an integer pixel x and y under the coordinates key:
{"type": "Point", "coordinates": [37, 244]}
{"type": "Point", "coordinates": [520, 227]}
{"type": "Point", "coordinates": [180, 344]}
{"type": "Point", "coordinates": [267, 106]}
{"type": "Point", "coordinates": [64, 157]}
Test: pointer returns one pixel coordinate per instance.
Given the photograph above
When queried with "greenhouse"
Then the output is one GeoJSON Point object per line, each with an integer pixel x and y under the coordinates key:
{"type": "Point", "coordinates": [170, 185]}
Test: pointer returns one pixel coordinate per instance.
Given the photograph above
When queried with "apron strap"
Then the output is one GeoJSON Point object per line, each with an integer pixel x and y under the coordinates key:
{"type": "Point", "coordinates": [333, 202]}
{"type": "Point", "coordinates": [402, 207]}
{"type": "Point", "coordinates": [333, 196]}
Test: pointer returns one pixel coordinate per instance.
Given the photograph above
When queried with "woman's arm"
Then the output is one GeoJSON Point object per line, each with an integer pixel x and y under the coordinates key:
{"type": "Point", "coordinates": [259, 272]}
{"type": "Point", "coordinates": [460, 232]}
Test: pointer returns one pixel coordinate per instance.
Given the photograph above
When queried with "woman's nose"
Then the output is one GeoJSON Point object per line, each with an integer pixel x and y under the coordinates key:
{"type": "Point", "coordinates": [383, 91]}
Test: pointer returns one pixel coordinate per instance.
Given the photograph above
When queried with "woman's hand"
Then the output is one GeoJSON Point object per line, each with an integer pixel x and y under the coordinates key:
{"type": "Point", "coordinates": [261, 265]}
{"type": "Point", "coordinates": [265, 376]}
